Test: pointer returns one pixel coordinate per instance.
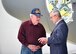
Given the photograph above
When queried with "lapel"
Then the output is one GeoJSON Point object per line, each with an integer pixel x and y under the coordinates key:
{"type": "Point", "coordinates": [56, 26]}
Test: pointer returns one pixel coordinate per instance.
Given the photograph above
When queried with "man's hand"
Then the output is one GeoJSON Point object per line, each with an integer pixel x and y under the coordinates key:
{"type": "Point", "coordinates": [43, 40]}
{"type": "Point", "coordinates": [33, 47]}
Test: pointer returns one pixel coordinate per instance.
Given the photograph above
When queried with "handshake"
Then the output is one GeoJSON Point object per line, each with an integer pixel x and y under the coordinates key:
{"type": "Point", "coordinates": [43, 40]}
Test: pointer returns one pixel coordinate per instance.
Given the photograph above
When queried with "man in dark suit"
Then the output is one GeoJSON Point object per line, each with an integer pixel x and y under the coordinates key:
{"type": "Point", "coordinates": [58, 38]}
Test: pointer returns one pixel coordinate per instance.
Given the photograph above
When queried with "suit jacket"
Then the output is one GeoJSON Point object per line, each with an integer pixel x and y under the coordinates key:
{"type": "Point", "coordinates": [58, 38]}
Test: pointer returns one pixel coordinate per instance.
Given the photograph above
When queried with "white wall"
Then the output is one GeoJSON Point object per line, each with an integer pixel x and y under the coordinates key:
{"type": "Point", "coordinates": [9, 43]}
{"type": "Point", "coordinates": [8, 33]}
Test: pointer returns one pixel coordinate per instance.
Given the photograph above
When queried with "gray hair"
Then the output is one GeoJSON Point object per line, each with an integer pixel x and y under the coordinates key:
{"type": "Point", "coordinates": [56, 12]}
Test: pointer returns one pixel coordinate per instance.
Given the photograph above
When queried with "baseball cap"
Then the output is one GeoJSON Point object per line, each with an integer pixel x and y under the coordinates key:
{"type": "Point", "coordinates": [37, 12]}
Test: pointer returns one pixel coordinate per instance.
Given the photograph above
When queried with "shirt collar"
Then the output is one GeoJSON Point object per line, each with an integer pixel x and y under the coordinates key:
{"type": "Point", "coordinates": [58, 21]}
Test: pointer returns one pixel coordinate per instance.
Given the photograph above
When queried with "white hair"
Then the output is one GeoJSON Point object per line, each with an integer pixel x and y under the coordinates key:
{"type": "Point", "coordinates": [31, 15]}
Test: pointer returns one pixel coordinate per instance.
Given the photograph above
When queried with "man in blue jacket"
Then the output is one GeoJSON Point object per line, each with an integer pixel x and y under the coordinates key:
{"type": "Point", "coordinates": [58, 38]}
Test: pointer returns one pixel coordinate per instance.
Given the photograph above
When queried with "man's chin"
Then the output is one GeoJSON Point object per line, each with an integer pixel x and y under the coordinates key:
{"type": "Point", "coordinates": [36, 24]}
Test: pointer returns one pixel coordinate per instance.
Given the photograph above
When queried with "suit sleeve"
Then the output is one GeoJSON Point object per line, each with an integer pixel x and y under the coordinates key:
{"type": "Point", "coordinates": [58, 36]}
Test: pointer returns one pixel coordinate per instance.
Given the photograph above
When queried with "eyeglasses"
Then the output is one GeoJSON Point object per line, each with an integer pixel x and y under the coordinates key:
{"type": "Point", "coordinates": [38, 16]}
{"type": "Point", "coordinates": [52, 16]}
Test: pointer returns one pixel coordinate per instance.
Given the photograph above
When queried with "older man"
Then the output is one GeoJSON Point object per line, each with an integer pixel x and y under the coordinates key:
{"type": "Point", "coordinates": [29, 33]}
{"type": "Point", "coordinates": [58, 38]}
